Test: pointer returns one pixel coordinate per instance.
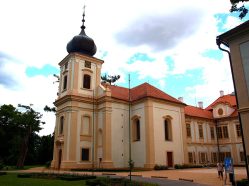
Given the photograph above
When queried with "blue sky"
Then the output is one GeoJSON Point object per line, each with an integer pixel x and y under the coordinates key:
{"type": "Point", "coordinates": [170, 45]}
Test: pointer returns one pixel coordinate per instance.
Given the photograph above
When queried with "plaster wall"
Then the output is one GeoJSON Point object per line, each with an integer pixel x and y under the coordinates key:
{"type": "Point", "coordinates": [161, 146]}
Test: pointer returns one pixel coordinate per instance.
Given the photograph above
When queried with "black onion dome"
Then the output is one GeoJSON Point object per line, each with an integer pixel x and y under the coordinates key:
{"type": "Point", "coordinates": [82, 43]}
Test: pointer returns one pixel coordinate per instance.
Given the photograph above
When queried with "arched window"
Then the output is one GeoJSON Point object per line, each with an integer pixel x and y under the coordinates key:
{"type": "Point", "coordinates": [61, 125]}
{"type": "Point", "coordinates": [136, 130]}
{"type": "Point", "coordinates": [167, 130]}
{"type": "Point", "coordinates": [86, 81]}
{"type": "Point", "coordinates": [65, 82]}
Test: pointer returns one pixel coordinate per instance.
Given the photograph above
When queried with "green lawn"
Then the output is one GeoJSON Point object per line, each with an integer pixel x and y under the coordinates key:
{"type": "Point", "coordinates": [11, 180]}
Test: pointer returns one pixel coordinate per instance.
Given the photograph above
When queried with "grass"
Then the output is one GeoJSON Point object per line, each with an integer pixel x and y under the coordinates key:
{"type": "Point", "coordinates": [11, 180]}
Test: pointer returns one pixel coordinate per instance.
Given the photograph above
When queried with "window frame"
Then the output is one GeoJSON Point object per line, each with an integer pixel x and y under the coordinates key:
{"type": "Point", "coordinates": [82, 154]}
{"type": "Point", "coordinates": [86, 81]}
{"type": "Point", "coordinates": [61, 128]}
{"type": "Point", "coordinates": [167, 130]}
{"type": "Point", "coordinates": [188, 130]}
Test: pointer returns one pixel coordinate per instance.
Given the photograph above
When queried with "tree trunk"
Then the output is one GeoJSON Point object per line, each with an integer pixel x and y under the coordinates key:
{"type": "Point", "coordinates": [24, 150]}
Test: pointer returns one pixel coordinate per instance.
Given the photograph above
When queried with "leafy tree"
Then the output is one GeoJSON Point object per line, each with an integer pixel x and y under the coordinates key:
{"type": "Point", "coordinates": [49, 109]}
{"type": "Point", "coordinates": [29, 123]}
{"type": "Point", "coordinates": [242, 9]}
{"type": "Point", "coordinates": [9, 134]}
{"type": "Point", "coordinates": [110, 79]}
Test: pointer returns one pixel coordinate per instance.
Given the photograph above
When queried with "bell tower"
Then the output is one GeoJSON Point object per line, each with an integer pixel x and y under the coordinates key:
{"type": "Point", "coordinates": [79, 81]}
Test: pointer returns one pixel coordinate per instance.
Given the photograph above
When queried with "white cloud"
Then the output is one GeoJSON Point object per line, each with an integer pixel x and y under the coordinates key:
{"type": "Point", "coordinates": [36, 33]}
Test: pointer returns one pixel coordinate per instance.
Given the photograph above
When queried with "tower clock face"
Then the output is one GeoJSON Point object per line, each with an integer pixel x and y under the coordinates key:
{"type": "Point", "coordinates": [220, 111]}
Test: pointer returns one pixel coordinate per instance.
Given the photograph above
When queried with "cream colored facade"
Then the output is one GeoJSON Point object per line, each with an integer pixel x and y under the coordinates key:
{"type": "Point", "coordinates": [91, 119]}
{"type": "Point", "coordinates": [92, 126]}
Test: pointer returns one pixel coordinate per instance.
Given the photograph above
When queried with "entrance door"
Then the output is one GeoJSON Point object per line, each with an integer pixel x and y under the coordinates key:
{"type": "Point", "coordinates": [170, 159]}
{"type": "Point", "coordinates": [59, 159]}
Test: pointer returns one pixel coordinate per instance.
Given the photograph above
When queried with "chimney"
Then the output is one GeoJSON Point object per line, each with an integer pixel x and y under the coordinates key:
{"type": "Point", "coordinates": [221, 93]}
{"type": "Point", "coordinates": [180, 99]}
{"type": "Point", "coordinates": [200, 104]}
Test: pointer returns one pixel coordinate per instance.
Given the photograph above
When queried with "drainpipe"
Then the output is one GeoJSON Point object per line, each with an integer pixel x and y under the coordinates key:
{"type": "Point", "coordinates": [217, 138]}
{"type": "Point", "coordinates": [219, 42]}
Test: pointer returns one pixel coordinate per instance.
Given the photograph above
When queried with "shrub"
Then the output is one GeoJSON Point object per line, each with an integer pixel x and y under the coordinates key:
{"type": "Point", "coordinates": [160, 167]}
{"type": "Point", "coordinates": [47, 164]}
{"type": "Point", "coordinates": [243, 182]}
{"type": "Point", "coordinates": [187, 166]}
{"type": "Point", "coordinates": [3, 173]}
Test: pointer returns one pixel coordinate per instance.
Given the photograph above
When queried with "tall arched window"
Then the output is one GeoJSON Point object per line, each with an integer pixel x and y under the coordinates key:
{"type": "Point", "coordinates": [61, 125]}
{"type": "Point", "coordinates": [167, 130]}
{"type": "Point", "coordinates": [86, 81]}
{"type": "Point", "coordinates": [136, 130]}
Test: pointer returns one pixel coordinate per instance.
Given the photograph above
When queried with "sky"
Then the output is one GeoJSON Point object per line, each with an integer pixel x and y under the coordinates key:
{"type": "Point", "coordinates": [169, 44]}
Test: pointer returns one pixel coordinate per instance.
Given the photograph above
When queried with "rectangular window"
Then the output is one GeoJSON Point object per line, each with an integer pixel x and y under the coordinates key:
{"type": "Point", "coordinates": [219, 132]}
{"type": "Point", "coordinates": [66, 65]}
{"type": "Point", "coordinates": [242, 156]}
{"type": "Point", "coordinates": [225, 132]}
{"type": "Point", "coordinates": [214, 157]}
{"type": "Point", "coordinates": [87, 64]}
{"type": "Point", "coordinates": [87, 81]}
{"type": "Point", "coordinates": [85, 154]}
{"type": "Point", "coordinates": [200, 131]}
{"type": "Point", "coordinates": [190, 157]}
{"type": "Point", "coordinates": [212, 132]}
{"type": "Point", "coordinates": [65, 83]}
{"type": "Point", "coordinates": [238, 131]}
{"type": "Point", "coordinates": [188, 128]}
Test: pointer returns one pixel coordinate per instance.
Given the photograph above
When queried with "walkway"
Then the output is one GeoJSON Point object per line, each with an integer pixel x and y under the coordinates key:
{"type": "Point", "coordinates": [200, 176]}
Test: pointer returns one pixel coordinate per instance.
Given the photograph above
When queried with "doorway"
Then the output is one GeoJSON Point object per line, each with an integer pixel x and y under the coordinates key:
{"type": "Point", "coordinates": [59, 159]}
{"type": "Point", "coordinates": [170, 159]}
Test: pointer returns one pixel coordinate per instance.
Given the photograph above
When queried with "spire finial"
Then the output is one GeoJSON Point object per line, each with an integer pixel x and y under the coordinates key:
{"type": "Point", "coordinates": [83, 20]}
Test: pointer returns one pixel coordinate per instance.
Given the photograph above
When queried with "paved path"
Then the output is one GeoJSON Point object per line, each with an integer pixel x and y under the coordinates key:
{"type": "Point", "coordinates": [200, 176]}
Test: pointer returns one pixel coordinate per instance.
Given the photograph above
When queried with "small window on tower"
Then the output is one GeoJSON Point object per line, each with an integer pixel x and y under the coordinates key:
{"type": "Point", "coordinates": [87, 81]}
{"type": "Point", "coordinates": [65, 83]}
{"type": "Point", "coordinates": [66, 65]}
{"type": "Point", "coordinates": [87, 64]}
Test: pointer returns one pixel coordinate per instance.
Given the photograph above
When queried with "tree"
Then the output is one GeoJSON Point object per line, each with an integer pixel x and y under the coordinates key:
{"type": "Point", "coordinates": [49, 109]}
{"type": "Point", "coordinates": [9, 134]}
{"type": "Point", "coordinates": [242, 9]}
{"type": "Point", "coordinates": [29, 122]}
{"type": "Point", "coordinates": [110, 79]}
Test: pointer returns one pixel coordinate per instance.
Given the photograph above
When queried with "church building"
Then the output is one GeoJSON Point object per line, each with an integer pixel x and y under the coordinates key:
{"type": "Point", "coordinates": [93, 121]}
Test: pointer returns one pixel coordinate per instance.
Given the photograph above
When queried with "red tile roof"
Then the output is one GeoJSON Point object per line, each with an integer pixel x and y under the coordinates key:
{"type": "Point", "coordinates": [139, 92]}
{"type": "Point", "coordinates": [226, 99]}
{"type": "Point", "coordinates": [198, 112]}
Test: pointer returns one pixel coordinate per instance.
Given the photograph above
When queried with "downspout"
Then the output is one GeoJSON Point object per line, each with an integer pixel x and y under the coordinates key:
{"type": "Point", "coordinates": [219, 42]}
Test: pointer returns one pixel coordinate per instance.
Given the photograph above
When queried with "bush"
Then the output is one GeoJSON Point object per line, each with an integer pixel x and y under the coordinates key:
{"type": "Point", "coordinates": [187, 166]}
{"type": "Point", "coordinates": [1, 165]}
{"type": "Point", "coordinates": [243, 182]}
{"type": "Point", "coordinates": [24, 175]}
{"type": "Point", "coordinates": [47, 164]}
{"type": "Point", "coordinates": [3, 173]}
{"type": "Point", "coordinates": [160, 167]}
